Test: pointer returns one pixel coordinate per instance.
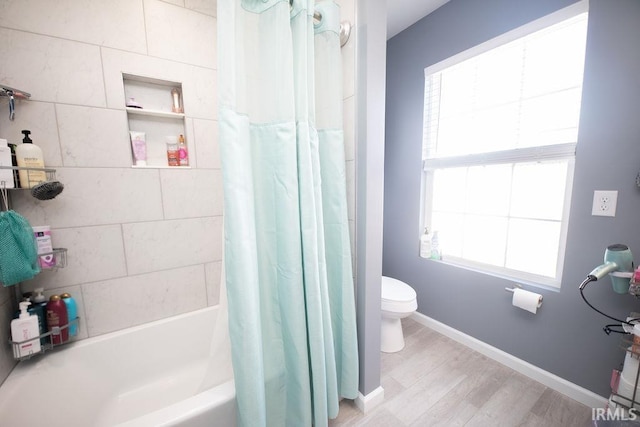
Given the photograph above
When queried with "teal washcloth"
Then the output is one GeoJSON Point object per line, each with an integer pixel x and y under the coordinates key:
{"type": "Point", "coordinates": [18, 250]}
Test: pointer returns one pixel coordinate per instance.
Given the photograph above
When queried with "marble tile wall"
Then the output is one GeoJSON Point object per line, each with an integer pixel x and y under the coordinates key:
{"type": "Point", "coordinates": [143, 244]}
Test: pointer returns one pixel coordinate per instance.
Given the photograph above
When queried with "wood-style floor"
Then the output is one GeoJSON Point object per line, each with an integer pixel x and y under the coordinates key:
{"type": "Point", "coordinates": [435, 381]}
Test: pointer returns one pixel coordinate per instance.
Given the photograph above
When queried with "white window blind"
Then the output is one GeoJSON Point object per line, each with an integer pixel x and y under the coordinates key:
{"type": "Point", "coordinates": [500, 133]}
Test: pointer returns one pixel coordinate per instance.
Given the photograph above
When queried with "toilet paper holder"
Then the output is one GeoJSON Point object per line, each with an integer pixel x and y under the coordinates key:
{"type": "Point", "coordinates": [512, 290]}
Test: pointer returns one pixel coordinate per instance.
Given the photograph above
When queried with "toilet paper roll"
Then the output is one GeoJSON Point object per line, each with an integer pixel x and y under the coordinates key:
{"type": "Point", "coordinates": [526, 300]}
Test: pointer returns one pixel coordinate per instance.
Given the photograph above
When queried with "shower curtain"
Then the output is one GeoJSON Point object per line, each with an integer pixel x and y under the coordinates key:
{"type": "Point", "coordinates": [287, 252]}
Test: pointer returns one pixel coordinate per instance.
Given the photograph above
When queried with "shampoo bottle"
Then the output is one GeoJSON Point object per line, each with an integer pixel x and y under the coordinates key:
{"type": "Point", "coordinates": [29, 155]}
{"type": "Point", "coordinates": [23, 329]}
{"type": "Point", "coordinates": [6, 174]}
{"type": "Point", "coordinates": [72, 313]}
{"type": "Point", "coordinates": [56, 318]}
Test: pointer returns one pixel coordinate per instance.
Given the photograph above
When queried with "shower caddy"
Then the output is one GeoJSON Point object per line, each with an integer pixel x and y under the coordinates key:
{"type": "Point", "coordinates": [60, 254]}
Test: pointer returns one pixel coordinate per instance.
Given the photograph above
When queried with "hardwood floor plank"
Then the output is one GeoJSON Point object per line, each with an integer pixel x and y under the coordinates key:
{"type": "Point", "coordinates": [435, 381]}
{"type": "Point", "coordinates": [511, 403]}
{"type": "Point", "coordinates": [558, 410]}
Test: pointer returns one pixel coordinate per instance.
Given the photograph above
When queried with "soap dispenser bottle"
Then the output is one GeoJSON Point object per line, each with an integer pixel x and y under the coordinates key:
{"type": "Point", "coordinates": [29, 155]}
{"type": "Point", "coordinates": [23, 330]}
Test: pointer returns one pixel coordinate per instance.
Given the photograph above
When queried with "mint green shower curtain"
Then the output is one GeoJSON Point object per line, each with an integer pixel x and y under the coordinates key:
{"type": "Point", "coordinates": [287, 252]}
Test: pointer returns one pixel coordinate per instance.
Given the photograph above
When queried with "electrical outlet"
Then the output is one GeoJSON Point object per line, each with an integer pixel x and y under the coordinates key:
{"type": "Point", "coordinates": [604, 203]}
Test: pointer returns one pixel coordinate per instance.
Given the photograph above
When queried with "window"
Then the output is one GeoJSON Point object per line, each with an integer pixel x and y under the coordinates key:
{"type": "Point", "coordinates": [500, 133]}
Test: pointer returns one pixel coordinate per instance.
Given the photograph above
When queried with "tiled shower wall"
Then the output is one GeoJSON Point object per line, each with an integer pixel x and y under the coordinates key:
{"type": "Point", "coordinates": [143, 244]}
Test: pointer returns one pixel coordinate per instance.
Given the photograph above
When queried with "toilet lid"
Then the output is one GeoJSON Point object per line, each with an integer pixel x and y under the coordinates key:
{"type": "Point", "coordinates": [395, 290]}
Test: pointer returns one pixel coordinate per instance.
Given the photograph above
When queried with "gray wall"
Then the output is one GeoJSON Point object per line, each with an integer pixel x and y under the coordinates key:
{"type": "Point", "coordinates": [565, 337]}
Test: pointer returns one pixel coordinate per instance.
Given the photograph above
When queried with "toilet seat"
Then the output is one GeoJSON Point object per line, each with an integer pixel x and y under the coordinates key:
{"type": "Point", "coordinates": [397, 296]}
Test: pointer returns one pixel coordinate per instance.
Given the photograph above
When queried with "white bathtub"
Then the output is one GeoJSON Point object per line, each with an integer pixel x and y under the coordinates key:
{"type": "Point", "coordinates": [149, 375]}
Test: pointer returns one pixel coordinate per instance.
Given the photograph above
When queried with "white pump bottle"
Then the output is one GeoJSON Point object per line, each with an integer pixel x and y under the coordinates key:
{"type": "Point", "coordinates": [24, 328]}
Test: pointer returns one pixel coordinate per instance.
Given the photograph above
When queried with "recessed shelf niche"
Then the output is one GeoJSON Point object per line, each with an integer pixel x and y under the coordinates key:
{"type": "Point", "coordinates": [156, 118]}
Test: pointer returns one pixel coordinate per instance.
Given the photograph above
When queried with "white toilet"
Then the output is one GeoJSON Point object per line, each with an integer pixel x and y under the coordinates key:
{"type": "Point", "coordinates": [398, 302]}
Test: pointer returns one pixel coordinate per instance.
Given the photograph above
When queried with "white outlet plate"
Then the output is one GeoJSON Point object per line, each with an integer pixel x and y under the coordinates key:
{"type": "Point", "coordinates": [604, 203]}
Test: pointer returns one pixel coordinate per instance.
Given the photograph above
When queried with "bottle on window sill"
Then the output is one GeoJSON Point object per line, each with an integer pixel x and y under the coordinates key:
{"type": "Point", "coordinates": [425, 244]}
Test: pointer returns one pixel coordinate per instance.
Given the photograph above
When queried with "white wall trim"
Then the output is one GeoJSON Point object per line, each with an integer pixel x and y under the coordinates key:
{"type": "Point", "coordinates": [370, 401]}
{"type": "Point", "coordinates": [574, 391]}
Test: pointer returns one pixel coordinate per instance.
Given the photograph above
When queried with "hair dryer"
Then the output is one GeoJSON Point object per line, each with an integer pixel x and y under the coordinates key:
{"type": "Point", "coordinates": [617, 260]}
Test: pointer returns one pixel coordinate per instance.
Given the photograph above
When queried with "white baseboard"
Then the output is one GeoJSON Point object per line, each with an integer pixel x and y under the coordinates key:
{"type": "Point", "coordinates": [574, 391]}
{"type": "Point", "coordinates": [370, 401]}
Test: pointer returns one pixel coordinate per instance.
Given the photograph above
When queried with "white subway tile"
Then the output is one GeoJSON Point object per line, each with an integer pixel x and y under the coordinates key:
{"type": "Point", "coordinates": [206, 143]}
{"type": "Point", "coordinates": [121, 303]}
{"type": "Point", "coordinates": [180, 34]}
{"type": "Point", "coordinates": [52, 69]}
{"type": "Point", "coordinates": [40, 119]}
{"type": "Point", "coordinates": [116, 23]}
{"type": "Point", "coordinates": [189, 193]}
{"type": "Point", "coordinates": [212, 277]}
{"type": "Point", "coordinates": [93, 253]}
{"type": "Point", "coordinates": [96, 196]}
{"type": "Point", "coordinates": [160, 245]}
{"type": "Point", "coordinates": [208, 7]}
{"type": "Point", "coordinates": [93, 137]}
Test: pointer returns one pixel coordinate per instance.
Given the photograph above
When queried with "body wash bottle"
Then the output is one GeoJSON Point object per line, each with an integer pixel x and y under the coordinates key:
{"type": "Point", "coordinates": [29, 155]}
{"type": "Point", "coordinates": [23, 329]}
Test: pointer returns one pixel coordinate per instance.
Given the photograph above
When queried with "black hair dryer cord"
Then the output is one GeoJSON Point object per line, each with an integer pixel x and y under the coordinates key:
{"type": "Point", "coordinates": [582, 286]}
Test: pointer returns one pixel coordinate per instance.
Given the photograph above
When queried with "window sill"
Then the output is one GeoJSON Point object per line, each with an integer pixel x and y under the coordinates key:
{"type": "Point", "coordinates": [539, 282]}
